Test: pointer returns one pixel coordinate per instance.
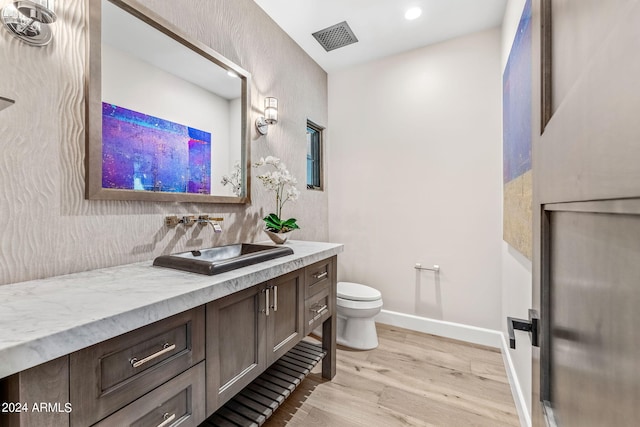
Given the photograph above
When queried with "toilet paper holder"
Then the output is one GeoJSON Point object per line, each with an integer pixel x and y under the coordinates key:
{"type": "Point", "coordinates": [435, 267]}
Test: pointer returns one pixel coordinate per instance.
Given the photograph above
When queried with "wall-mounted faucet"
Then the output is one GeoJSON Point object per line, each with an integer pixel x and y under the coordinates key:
{"type": "Point", "coordinates": [215, 222]}
{"type": "Point", "coordinates": [189, 220]}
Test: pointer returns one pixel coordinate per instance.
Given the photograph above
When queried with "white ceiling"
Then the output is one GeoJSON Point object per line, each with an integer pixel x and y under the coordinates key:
{"type": "Point", "coordinates": [380, 25]}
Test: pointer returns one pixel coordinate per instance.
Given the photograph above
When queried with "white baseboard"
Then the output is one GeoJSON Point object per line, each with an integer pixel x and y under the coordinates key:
{"type": "Point", "coordinates": [516, 390]}
{"type": "Point", "coordinates": [456, 331]}
{"type": "Point", "coordinates": [471, 334]}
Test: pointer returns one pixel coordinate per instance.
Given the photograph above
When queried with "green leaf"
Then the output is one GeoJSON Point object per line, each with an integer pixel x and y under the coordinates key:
{"type": "Point", "coordinates": [273, 223]}
{"type": "Point", "coordinates": [273, 218]}
{"type": "Point", "coordinates": [291, 224]}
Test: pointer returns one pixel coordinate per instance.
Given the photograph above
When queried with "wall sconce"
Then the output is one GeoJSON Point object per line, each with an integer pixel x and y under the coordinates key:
{"type": "Point", "coordinates": [28, 20]}
{"type": "Point", "coordinates": [270, 115]}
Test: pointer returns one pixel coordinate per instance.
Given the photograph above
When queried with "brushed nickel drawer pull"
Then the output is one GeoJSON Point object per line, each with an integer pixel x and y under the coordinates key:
{"type": "Point", "coordinates": [166, 348]}
{"type": "Point", "coordinates": [321, 275]}
{"type": "Point", "coordinates": [168, 419]}
{"type": "Point", "coordinates": [320, 309]}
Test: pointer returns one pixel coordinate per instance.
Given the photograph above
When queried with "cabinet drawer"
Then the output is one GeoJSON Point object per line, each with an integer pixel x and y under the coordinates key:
{"type": "Point", "coordinates": [317, 309]}
{"type": "Point", "coordinates": [109, 375]}
{"type": "Point", "coordinates": [318, 277]}
{"type": "Point", "coordinates": [180, 401]}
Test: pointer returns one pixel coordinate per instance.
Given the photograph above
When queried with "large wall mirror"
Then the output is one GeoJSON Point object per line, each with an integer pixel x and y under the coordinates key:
{"type": "Point", "coordinates": [167, 117]}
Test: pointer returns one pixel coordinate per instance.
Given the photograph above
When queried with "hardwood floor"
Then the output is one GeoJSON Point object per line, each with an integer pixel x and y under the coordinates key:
{"type": "Point", "coordinates": [411, 379]}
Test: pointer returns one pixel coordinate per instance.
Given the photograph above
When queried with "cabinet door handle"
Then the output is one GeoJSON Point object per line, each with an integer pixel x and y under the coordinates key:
{"type": "Point", "coordinates": [320, 309]}
{"type": "Point", "coordinates": [266, 301]}
{"type": "Point", "coordinates": [166, 348]}
{"type": "Point", "coordinates": [321, 275]}
{"type": "Point", "coordinates": [275, 298]}
{"type": "Point", "coordinates": [168, 419]}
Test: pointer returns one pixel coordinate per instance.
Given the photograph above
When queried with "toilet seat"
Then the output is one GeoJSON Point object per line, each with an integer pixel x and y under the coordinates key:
{"type": "Point", "coordinates": [357, 292]}
{"type": "Point", "coordinates": [359, 305]}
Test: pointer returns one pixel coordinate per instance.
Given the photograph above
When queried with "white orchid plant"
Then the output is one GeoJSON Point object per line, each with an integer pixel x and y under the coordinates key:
{"type": "Point", "coordinates": [234, 179]}
{"type": "Point", "coordinates": [283, 184]}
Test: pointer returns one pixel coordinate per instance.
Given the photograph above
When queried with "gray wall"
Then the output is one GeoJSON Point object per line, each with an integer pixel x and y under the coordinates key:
{"type": "Point", "coordinates": [47, 226]}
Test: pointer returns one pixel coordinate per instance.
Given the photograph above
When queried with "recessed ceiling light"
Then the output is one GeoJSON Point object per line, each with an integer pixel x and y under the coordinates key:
{"type": "Point", "coordinates": [412, 13]}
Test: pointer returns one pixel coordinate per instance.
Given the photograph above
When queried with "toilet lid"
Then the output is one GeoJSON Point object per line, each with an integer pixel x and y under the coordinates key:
{"type": "Point", "coordinates": [357, 292]}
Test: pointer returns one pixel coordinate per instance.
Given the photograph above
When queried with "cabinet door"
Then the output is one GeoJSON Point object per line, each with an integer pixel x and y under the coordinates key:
{"type": "Point", "coordinates": [235, 344]}
{"type": "Point", "coordinates": [285, 319]}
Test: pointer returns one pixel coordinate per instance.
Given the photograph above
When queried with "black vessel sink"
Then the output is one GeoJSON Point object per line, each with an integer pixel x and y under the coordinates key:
{"type": "Point", "coordinates": [222, 258]}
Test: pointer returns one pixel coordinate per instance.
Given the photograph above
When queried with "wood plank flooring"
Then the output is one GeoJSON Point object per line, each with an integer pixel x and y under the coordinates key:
{"type": "Point", "coordinates": [411, 379]}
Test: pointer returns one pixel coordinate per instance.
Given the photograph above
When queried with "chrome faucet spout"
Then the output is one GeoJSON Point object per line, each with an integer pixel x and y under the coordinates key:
{"type": "Point", "coordinates": [214, 223]}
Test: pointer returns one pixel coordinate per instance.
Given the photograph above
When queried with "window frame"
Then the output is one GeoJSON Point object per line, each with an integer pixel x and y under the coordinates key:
{"type": "Point", "coordinates": [320, 156]}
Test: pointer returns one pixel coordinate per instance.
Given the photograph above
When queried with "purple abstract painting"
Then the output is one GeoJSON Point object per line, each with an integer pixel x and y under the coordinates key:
{"type": "Point", "coordinates": [142, 152]}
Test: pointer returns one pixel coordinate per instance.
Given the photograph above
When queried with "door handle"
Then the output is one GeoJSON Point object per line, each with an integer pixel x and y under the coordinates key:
{"type": "Point", "coordinates": [266, 302]}
{"type": "Point", "coordinates": [532, 326]}
{"type": "Point", "coordinates": [275, 298]}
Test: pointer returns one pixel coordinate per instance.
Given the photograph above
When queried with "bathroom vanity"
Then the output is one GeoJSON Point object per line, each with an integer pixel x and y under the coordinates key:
{"type": "Point", "coordinates": [144, 345]}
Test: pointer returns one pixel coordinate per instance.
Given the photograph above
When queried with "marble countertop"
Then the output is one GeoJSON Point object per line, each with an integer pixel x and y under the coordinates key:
{"type": "Point", "coordinates": [44, 319]}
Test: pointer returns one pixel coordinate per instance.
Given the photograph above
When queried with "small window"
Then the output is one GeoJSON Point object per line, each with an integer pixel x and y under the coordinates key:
{"type": "Point", "coordinates": [314, 156]}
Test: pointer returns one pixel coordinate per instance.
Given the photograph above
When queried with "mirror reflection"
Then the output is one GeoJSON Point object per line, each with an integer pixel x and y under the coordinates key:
{"type": "Point", "coordinates": [171, 114]}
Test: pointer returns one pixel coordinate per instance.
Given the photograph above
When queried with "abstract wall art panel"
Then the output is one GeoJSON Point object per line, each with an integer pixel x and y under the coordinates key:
{"type": "Point", "coordinates": [143, 152]}
{"type": "Point", "coordinates": [516, 122]}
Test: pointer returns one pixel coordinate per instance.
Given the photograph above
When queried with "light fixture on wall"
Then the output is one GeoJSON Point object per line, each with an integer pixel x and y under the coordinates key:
{"type": "Point", "coordinates": [28, 20]}
{"type": "Point", "coordinates": [270, 115]}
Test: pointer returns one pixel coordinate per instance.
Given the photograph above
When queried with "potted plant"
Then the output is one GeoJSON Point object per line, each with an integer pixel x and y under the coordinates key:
{"type": "Point", "coordinates": [280, 181]}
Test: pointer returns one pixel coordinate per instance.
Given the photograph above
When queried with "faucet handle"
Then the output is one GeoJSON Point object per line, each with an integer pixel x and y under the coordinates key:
{"type": "Point", "coordinates": [188, 220]}
{"type": "Point", "coordinates": [171, 221]}
{"type": "Point", "coordinates": [211, 218]}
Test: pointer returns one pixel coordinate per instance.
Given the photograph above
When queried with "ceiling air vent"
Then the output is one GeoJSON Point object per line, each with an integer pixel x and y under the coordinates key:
{"type": "Point", "coordinates": [335, 36]}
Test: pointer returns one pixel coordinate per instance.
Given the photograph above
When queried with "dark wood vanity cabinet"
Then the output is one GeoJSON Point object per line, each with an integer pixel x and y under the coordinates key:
{"type": "Point", "coordinates": [285, 327]}
{"type": "Point", "coordinates": [235, 344]}
{"type": "Point", "coordinates": [320, 297]}
{"type": "Point", "coordinates": [179, 370]}
{"type": "Point", "coordinates": [110, 375]}
{"type": "Point", "coordinates": [179, 401]}
{"type": "Point", "coordinates": [248, 331]}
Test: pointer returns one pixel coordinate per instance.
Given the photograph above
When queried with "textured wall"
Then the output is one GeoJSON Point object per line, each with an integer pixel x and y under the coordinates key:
{"type": "Point", "coordinates": [424, 129]}
{"type": "Point", "coordinates": [48, 228]}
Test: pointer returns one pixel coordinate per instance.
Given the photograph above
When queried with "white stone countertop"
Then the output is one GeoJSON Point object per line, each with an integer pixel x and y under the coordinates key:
{"type": "Point", "coordinates": [41, 320]}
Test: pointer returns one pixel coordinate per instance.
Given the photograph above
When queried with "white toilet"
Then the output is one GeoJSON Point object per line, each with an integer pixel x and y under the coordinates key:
{"type": "Point", "coordinates": [357, 306]}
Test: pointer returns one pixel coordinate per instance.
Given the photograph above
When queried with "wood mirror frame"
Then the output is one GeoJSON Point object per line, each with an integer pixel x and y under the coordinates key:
{"type": "Point", "coordinates": [94, 138]}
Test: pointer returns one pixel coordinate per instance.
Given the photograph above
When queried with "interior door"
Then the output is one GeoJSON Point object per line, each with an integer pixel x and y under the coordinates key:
{"type": "Point", "coordinates": [590, 301]}
{"type": "Point", "coordinates": [586, 168]}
